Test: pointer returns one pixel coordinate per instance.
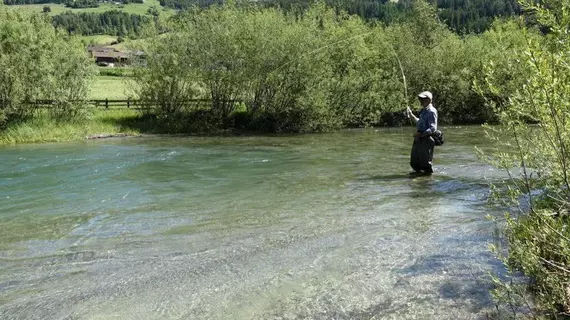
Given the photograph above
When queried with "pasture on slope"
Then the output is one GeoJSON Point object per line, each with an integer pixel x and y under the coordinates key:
{"type": "Point", "coordinates": [134, 8]}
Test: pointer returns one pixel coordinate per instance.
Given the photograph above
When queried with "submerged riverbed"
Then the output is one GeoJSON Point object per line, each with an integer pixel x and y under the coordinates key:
{"type": "Point", "coordinates": [324, 226]}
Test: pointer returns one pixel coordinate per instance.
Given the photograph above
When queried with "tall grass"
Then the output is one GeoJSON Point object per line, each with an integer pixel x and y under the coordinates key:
{"type": "Point", "coordinates": [44, 128]}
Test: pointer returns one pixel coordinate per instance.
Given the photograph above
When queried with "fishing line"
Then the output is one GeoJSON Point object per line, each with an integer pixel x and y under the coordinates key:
{"type": "Point", "coordinates": [347, 39]}
{"type": "Point", "coordinates": [395, 54]}
{"type": "Point", "coordinates": [321, 48]}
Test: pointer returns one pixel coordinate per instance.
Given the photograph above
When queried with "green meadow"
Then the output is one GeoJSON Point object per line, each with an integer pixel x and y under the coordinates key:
{"type": "Point", "coordinates": [100, 39]}
{"type": "Point", "coordinates": [135, 8]}
{"type": "Point", "coordinates": [108, 87]}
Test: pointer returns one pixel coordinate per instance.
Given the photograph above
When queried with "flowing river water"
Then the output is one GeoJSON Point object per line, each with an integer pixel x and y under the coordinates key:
{"type": "Point", "coordinates": [323, 226]}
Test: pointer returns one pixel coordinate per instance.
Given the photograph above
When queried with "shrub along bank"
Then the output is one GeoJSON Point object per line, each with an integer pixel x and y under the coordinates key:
{"type": "Point", "coordinates": [319, 70]}
{"type": "Point", "coordinates": [268, 70]}
{"type": "Point", "coordinates": [537, 235]}
{"type": "Point", "coordinates": [38, 62]}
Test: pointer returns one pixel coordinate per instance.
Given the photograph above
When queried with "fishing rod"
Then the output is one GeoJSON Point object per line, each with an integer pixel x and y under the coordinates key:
{"type": "Point", "coordinates": [321, 48]}
{"type": "Point", "coordinates": [406, 98]}
{"type": "Point", "coordinates": [403, 76]}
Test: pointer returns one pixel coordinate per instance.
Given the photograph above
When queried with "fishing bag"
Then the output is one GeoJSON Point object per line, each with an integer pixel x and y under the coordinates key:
{"type": "Point", "coordinates": [438, 138]}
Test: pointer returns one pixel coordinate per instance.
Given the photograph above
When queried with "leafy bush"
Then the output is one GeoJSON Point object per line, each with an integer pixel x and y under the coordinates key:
{"type": "Point", "coordinates": [320, 70]}
{"type": "Point", "coordinates": [165, 78]}
{"type": "Point", "coordinates": [538, 238]}
{"type": "Point", "coordinates": [60, 70]}
{"type": "Point", "coordinates": [314, 72]}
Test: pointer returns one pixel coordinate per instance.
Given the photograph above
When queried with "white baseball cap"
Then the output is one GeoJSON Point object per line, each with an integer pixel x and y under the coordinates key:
{"type": "Point", "coordinates": [426, 94]}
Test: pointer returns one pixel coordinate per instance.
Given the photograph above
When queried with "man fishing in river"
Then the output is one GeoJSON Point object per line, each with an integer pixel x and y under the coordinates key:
{"type": "Point", "coordinates": [426, 125]}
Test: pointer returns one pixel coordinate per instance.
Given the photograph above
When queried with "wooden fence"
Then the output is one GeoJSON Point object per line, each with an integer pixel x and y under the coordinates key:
{"type": "Point", "coordinates": [122, 103]}
{"type": "Point", "coordinates": [141, 105]}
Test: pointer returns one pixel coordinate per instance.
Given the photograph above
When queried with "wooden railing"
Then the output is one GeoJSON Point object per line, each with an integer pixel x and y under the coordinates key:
{"type": "Point", "coordinates": [140, 104]}
{"type": "Point", "coordinates": [120, 103]}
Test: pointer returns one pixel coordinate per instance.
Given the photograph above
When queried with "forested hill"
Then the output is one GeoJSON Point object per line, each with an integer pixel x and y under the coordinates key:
{"type": "Point", "coordinates": [474, 15]}
{"type": "Point", "coordinates": [114, 22]}
{"type": "Point", "coordinates": [462, 16]}
{"type": "Point", "coordinates": [15, 2]}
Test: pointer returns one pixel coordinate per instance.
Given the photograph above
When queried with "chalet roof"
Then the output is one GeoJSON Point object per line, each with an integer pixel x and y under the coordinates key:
{"type": "Point", "coordinates": [110, 54]}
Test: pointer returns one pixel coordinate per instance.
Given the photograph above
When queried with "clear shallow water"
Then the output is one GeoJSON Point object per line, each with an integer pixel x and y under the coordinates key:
{"type": "Point", "coordinates": [324, 226]}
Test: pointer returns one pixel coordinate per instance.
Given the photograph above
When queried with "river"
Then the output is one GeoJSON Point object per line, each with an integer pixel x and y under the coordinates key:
{"type": "Point", "coordinates": [321, 226]}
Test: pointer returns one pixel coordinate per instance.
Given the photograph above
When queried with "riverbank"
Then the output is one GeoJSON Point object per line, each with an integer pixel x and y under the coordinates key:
{"type": "Point", "coordinates": [99, 123]}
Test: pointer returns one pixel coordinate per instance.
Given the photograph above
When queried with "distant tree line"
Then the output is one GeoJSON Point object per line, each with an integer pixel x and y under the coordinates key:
{"type": "Point", "coordinates": [117, 23]}
{"type": "Point", "coordinates": [185, 4]}
{"type": "Point", "coordinates": [462, 16]}
{"type": "Point", "coordinates": [16, 2]}
{"type": "Point", "coordinates": [475, 15]}
{"type": "Point", "coordinates": [68, 3]}
{"type": "Point", "coordinates": [76, 4]}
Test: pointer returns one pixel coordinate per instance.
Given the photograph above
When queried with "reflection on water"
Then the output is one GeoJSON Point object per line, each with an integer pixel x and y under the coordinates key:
{"type": "Point", "coordinates": [327, 226]}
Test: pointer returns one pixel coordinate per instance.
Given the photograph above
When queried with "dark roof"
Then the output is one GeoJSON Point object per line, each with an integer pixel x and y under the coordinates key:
{"type": "Point", "coordinates": [112, 54]}
{"type": "Point", "coordinates": [109, 52]}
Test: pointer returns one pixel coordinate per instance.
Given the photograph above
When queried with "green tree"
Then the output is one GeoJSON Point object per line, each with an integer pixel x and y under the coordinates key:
{"type": "Point", "coordinates": [318, 69]}
{"type": "Point", "coordinates": [366, 80]}
{"type": "Point", "coordinates": [165, 78]}
{"type": "Point", "coordinates": [60, 68]}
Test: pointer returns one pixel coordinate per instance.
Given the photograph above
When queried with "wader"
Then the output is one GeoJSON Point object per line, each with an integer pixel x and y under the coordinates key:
{"type": "Point", "coordinates": [422, 154]}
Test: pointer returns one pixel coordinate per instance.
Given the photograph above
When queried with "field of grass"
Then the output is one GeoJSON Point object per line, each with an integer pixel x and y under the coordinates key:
{"type": "Point", "coordinates": [137, 8]}
{"type": "Point", "coordinates": [98, 39]}
{"type": "Point", "coordinates": [129, 43]}
{"type": "Point", "coordinates": [105, 87]}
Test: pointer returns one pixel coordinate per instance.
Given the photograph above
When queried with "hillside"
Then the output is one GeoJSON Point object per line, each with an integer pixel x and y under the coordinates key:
{"type": "Point", "coordinates": [133, 8]}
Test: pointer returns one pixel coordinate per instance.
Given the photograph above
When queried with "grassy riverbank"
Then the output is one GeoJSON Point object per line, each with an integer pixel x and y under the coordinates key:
{"type": "Point", "coordinates": [43, 128]}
